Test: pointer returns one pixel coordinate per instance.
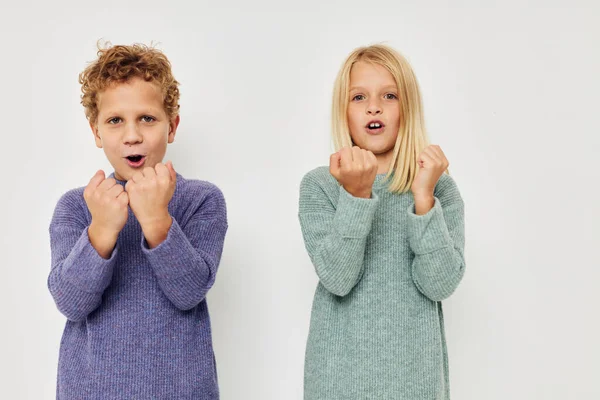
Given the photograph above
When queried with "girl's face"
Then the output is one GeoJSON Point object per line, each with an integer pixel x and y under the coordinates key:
{"type": "Point", "coordinates": [133, 127]}
{"type": "Point", "coordinates": [374, 111]}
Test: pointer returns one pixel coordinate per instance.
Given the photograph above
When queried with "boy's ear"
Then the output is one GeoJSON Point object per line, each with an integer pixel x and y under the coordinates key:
{"type": "Point", "coordinates": [97, 137]}
{"type": "Point", "coordinates": [173, 124]}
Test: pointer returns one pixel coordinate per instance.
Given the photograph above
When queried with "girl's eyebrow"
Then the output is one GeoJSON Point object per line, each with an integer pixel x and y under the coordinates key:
{"type": "Point", "coordinates": [360, 88]}
{"type": "Point", "coordinates": [356, 88]}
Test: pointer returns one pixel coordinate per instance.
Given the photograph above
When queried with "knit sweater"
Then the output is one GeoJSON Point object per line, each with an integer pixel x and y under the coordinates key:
{"type": "Point", "coordinates": [137, 323]}
{"type": "Point", "coordinates": [377, 329]}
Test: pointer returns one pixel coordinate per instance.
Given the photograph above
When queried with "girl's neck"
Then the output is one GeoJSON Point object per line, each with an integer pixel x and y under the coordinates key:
{"type": "Point", "coordinates": [383, 162]}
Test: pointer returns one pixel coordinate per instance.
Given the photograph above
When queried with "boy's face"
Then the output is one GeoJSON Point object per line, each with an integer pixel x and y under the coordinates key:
{"type": "Point", "coordinates": [373, 109]}
{"type": "Point", "coordinates": [133, 127]}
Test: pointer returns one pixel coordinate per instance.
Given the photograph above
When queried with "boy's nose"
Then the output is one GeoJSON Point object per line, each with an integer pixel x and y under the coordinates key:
{"type": "Point", "coordinates": [132, 135]}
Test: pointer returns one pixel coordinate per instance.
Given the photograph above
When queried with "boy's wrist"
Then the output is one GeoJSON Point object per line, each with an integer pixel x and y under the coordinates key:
{"type": "Point", "coordinates": [156, 230]}
{"type": "Point", "coordinates": [103, 240]}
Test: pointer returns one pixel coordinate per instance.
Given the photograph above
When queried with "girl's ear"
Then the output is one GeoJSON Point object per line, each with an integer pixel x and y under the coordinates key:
{"type": "Point", "coordinates": [173, 124]}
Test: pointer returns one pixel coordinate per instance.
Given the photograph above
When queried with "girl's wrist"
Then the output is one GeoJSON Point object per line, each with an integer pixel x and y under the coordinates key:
{"type": "Point", "coordinates": [424, 203]}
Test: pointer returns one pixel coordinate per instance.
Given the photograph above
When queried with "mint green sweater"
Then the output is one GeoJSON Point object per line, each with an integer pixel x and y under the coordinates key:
{"type": "Point", "coordinates": [377, 329]}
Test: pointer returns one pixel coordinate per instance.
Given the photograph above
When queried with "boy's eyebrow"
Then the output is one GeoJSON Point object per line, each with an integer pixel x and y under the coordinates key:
{"type": "Point", "coordinates": [150, 111]}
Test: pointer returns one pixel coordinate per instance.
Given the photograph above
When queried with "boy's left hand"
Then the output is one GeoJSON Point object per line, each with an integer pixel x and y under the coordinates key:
{"type": "Point", "coordinates": [150, 192]}
{"type": "Point", "coordinates": [432, 164]}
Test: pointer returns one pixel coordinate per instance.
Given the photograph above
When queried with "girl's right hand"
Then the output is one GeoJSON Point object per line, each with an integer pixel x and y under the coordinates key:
{"type": "Point", "coordinates": [355, 169]}
{"type": "Point", "coordinates": [108, 203]}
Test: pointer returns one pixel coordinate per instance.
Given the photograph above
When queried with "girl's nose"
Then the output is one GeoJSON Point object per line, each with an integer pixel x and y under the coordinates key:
{"type": "Point", "coordinates": [374, 108]}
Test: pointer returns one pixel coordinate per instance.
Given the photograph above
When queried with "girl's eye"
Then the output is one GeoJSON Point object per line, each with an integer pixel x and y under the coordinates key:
{"type": "Point", "coordinates": [391, 96]}
{"type": "Point", "coordinates": [358, 97]}
{"type": "Point", "coordinates": [147, 118]}
{"type": "Point", "coordinates": [114, 120]}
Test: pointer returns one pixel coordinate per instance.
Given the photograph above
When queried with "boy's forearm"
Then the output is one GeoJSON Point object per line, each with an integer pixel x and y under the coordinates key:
{"type": "Point", "coordinates": [79, 273]}
{"type": "Point", "coordinates": [185, 269]}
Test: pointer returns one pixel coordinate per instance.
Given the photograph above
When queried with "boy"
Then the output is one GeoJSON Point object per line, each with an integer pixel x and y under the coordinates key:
{"type": "Point", "coordinates": [134, 254]}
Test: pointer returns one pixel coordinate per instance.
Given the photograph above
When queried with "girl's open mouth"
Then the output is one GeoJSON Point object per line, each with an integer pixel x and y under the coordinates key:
{"type": "Point", "coordinates": [375, 127]}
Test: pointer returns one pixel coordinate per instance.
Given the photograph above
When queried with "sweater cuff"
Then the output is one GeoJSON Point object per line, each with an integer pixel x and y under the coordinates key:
{"type": "Point", "coordinates": [354, 215]}
{"type": "Point", "coordinates": [428, 232]}
{"type": "Point", "coordinates": [174, 257]}
{"type": "Point", "coordinates": [86, 269]}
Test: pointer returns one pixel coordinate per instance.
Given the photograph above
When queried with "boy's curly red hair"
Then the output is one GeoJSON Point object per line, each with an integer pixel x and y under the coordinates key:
{"type": "Point", "coordinates": [117, 64]}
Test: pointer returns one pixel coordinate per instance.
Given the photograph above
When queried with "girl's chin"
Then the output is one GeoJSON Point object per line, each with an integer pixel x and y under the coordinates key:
{"type": "Point", "coordinates": [376, 148]}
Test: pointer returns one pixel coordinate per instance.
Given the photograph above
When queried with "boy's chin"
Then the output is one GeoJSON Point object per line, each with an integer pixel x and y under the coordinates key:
{"type": "Point", "coordinates": [123, 175]}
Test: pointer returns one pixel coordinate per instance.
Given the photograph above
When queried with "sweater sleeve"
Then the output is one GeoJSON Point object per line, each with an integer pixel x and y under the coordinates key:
{"type": "Point", "coordinates": [186, 262]}
{"type": "Point", "coordinates": [335, 236]}
{"type": "Point", "coordinates": [79, 275]}
{"type": "Point", "coordinates": [437, 240]}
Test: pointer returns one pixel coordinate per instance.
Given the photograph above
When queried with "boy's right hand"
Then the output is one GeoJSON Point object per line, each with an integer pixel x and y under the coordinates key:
{"type": "Point", "coordinates": [355, 169]}
{"type": "Point", "coordinates": [108, 204]}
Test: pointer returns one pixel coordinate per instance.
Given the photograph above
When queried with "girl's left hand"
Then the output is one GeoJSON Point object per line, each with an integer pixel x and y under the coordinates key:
{"type": "Point", "coordinates": [432, 164]}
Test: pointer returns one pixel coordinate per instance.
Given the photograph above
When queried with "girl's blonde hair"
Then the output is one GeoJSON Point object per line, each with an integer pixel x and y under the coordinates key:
{"type": "Point", "coordinates": [412, 136]}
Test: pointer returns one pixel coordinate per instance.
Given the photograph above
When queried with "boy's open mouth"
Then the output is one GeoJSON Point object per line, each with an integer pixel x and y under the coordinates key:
{"type": "Point", "coordinates": [136, 160]}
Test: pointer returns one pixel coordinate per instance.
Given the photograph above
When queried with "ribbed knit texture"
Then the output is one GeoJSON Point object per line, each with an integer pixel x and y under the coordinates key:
{"type": "Point", "coordinates": [138, 324]}
{"type": "Point", "coordinates": [377, 330]}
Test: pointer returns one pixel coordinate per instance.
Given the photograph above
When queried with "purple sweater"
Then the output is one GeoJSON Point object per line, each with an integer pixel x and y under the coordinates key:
{"type": "Point", "coordinates": [138, 324]}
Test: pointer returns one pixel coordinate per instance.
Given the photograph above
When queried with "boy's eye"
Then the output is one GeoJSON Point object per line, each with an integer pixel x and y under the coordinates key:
{"type": "Point", "coordinates": [391, 96]}
{"type": "Point", "coordinates": [114, 120]}
{"type": "Point", "coordinates": [358, 97]}
{"type": "Point", "coordinates": [147, 118]}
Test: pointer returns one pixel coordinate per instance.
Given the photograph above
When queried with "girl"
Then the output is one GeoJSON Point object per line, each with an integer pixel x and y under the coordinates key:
{"type": "Point", "coordinates": [384, 228]}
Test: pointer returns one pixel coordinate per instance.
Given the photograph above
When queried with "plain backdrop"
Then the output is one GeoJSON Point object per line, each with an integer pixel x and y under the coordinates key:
{"type": "Point", "coordinates": [511, 94]}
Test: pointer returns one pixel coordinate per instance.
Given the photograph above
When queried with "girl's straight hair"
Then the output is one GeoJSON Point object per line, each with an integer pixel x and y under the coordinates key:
{"type": "Point", "coordinates": [412, 136]}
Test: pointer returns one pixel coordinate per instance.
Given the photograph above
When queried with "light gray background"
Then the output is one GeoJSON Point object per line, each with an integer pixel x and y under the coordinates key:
{"type": "Point", "coordinates": [511, 93]}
